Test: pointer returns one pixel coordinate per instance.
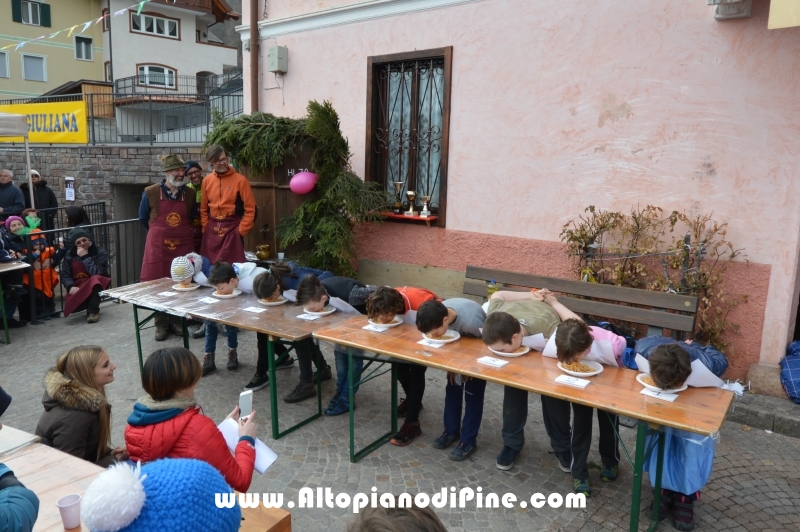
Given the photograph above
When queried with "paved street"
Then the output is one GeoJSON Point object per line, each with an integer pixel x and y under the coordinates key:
{"type": "Point", "coordinates": [755, 484]}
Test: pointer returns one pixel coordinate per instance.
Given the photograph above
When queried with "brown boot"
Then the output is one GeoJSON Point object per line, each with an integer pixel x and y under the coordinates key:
{"type": "Point", "coordinates": [233, 359]}
{"type": "Point", "coordinates": [162, 326]}
{"type": "Point", "coordinates": [93, 317]}
{"type": "Point", "coordinates": [208, 364]}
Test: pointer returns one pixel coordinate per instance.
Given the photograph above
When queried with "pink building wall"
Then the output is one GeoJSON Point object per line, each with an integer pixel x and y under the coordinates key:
{"type": "Point", "coordinates": [559, 105]}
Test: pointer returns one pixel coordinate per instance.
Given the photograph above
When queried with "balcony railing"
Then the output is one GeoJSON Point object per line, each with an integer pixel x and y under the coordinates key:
{"type": "Point", "coordinates": [168, 83]}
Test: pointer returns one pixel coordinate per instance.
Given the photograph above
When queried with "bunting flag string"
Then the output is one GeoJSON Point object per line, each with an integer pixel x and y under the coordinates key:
{"type": "Point", "coordinates": [138, 6]}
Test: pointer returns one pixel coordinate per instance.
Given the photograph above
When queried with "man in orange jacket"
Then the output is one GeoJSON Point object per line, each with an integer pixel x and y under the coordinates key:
{"type": "Point", "coordinates": [227, 210]}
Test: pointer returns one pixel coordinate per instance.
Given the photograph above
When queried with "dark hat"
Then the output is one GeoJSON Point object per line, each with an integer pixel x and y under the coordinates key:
{"type": "Point", "coordinates": [77, 233]}
{"type": "Point", "coordinates": [5, 400]}
{"type": "Point", "coordinates": [192, 164]}
{"type": "Point", "coordinates": [171, 162]}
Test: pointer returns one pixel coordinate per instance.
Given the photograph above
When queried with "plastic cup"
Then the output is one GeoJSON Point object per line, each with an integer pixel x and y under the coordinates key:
{"type": "Point", "coordinates": [70, 508]}
{"type": "Point", "coordinates": [280, 256]}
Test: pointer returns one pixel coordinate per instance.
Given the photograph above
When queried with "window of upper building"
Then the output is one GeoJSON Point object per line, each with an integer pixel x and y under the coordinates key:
{"type": "Point", "coordinates": [83, 48]}
{"type": "Point", "coordinates": [408, 115]}
{"type": "Point", "coordinates": [106, 22]}
{"type": "Point", "coordinates": [34, 67]}
{"type": "Point", "coordinates": [30, 12]}
{"type": "Point", "coordinates": [156, 25]}
{"type": "Point", "coordinates": [4, 72]}
{"type": "Point", "coordinates": [107, 70]}
{"type": "Point", "coordinates": [156, 76]}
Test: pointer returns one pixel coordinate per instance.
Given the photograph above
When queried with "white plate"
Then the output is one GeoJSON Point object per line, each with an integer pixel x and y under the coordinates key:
{"type": "Point", "coordinates": [512, 355]}
{"type": "Point", "coordinates": [598, 368]}
{"type": "Point", "coordinates": [325, 311]}
{"type": "Point", "coordinates": [266, 303]}
{"type": "Point", "coordinates": [397, 321]}
{"type": "Point", "coordinates": [235, 293]}
{"type": "Point", "coordinates": [180, 288]}
{"type": "Point", "coordinates": [455, 336]}
{"type": "Point", "coordinates": [656, 388]}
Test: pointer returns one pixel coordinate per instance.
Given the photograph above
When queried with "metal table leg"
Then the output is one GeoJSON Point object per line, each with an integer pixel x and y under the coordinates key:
{"type": "Point", "coordinates": [139, 325]}
{"type": "Point", "coordinates": [273, 396]}
{"type": "Point", "coordinates": [356, 456]}
{"type": "Point", "coordinates": [636, 496]}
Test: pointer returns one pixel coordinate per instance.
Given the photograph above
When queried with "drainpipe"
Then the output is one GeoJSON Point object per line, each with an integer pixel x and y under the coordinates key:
{"type": "Point", "coordinates": [254, 56]}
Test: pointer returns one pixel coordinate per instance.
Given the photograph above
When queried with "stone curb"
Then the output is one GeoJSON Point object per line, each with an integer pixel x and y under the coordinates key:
{"type": "Point", "coordinates": [768, 413]}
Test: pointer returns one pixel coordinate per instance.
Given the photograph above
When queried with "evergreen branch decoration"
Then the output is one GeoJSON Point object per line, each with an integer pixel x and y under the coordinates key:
{"type": "Point", "coordinates": [262, 141]}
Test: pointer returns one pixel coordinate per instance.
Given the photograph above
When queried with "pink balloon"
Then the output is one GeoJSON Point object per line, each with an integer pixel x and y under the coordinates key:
{"type": "Point", "coordinates": [303, 183]}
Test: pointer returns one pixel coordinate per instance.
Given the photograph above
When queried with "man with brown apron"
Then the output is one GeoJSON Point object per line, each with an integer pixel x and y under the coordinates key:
{"type": "Point", "coordinates": [166, 211]}
{"type": "Point", "coordinates": [84, 274]}
{"type": "Point", "coordinates": [227, 210]}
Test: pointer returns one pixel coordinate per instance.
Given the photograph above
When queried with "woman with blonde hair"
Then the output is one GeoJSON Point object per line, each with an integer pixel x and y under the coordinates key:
{"type": "Point", "coordinates": [77, 416]}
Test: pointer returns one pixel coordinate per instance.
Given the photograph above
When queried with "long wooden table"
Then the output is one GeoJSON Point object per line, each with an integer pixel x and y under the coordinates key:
{"type": "Point", "coordinates": [6, 267]}
{"type": "Point", "coordinates": [279, 322]}
{"type": "Point", "coordinates": [698, 410]}
{"type": "Point", "coordinates": [52, 474]}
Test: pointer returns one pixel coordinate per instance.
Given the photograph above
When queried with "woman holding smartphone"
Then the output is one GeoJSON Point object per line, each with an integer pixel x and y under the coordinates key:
{"type": "Point", "coordinates": [168, 422]}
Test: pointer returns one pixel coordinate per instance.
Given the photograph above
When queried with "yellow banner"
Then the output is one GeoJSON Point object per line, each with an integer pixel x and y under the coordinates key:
{"type": "Point", "coordinates": [58, 123]}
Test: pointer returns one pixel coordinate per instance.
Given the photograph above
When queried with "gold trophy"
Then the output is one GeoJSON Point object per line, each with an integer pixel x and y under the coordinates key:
{"type": "Point", "coordinates": [398, 204]}
{"type": "Point", "coordinates": [411, 195]}
{"type": "Point", "coordinates": [425, 212]}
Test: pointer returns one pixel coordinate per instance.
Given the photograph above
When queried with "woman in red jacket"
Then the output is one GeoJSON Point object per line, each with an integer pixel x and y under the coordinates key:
{"type": "Point", "coordinates": [168, 423]}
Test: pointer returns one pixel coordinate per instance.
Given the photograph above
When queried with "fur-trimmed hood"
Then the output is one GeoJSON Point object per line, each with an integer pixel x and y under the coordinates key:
{"type": "Point", "coordinates": [67, 393]}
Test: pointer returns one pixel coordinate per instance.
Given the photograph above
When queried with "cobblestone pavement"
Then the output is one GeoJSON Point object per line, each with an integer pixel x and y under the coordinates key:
{"type": "Point", "coordinates": [755, 484]}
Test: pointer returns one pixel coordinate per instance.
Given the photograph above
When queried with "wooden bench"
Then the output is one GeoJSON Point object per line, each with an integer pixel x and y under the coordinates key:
{"type": "Point", "coordinates": [631, 305]}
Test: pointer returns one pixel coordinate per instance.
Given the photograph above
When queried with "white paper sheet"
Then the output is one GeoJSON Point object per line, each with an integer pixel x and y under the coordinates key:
{"type": "Point", "coordinates": [308, 317]}
{"type": "Point", "coordinates": [375, 328]}
{"type": "Point", "coordinates": [601, 351]}
{"type": "Point", "coordinates": [660, 395]}
{"type": "Point", "coordinates": [209, 300]}
{"type": "Point", "coordinates": [535, 341]}
{"type": "Point", "coordinates": [343, 306]}
{"type": "Point", "coordinates": [700, 377]}
{"type": "Point", "coordinates": [167, 294]}
{"type": "Point", "coordinates": [575, 382]}
{"type": "Point", "coordinates": [257, 310]}
{"type": "Point", "coordinates": [265, 456]}
{"type": "Point", "coordinates": [491, 361]}
{"type": "Point", "coordinates": [428, 343]}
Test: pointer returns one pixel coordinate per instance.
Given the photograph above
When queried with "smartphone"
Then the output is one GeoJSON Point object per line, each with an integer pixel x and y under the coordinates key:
{"type": "Point", "coordinates": [245, 403]}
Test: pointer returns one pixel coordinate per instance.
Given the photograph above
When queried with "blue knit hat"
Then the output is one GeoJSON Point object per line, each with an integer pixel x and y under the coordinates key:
{"type": "Point", "coordinates": [174, 494]}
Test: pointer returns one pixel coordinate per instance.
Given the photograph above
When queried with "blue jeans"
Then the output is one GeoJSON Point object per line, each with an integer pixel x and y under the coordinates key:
{"type": "Point", "coordinates": [342, 383]}
{"type": "Point", "coordinates": [211, 337]}
{"type": "Point", "coordinates": [471, 393]}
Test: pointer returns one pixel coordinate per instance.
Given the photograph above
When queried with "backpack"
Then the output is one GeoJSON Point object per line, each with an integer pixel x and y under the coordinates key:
{"type": "Point", "coordinates": [790, 372]}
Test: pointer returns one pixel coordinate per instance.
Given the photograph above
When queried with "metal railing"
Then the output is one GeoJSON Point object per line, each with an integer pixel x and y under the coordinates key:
{"type": "Point", "coordinates": [157, 118]}
{"type": "Point", "coordinates": [56, 218]}
{"type": "Point", "coordinates": [167, 83]}
{"type": "Point", "coordinates": [124, 240]}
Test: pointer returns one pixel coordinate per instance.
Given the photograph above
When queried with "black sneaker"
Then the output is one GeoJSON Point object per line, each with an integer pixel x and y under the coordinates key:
{"type": "Point", "coordinates": [402, 408]}
{"type": "Point", "coordinates": [505, 460]}
{"type": "Point", "coordinates": [462, 452]}
{"type": "Point", "coordinates": [326, 375]}
{"type": "Point", "coordinates": [564, 461]}
{"type": "Point", "coordinates": [407, 433]}
{"type": "Point", "coordinates": [444, 441]}
{"type": "Point", "coordinates": [257, 382]}
{"type": "Point", "coordinates": [301, 392]}
{"type": "Point", "coordinates": [288, 363]}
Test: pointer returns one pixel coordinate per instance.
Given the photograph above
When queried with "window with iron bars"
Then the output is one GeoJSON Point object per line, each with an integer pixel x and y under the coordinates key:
{"type": "Point", "coordinates": [408, 114]}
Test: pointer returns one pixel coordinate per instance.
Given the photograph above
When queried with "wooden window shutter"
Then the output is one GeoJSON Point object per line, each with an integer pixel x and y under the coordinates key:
{"type": "Point", "coordinates": [44, 15]}
{"type": "Point", "coordinates": [16, 10]}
